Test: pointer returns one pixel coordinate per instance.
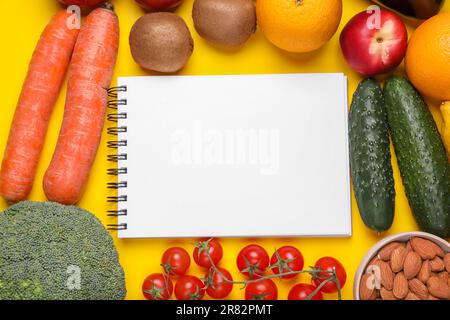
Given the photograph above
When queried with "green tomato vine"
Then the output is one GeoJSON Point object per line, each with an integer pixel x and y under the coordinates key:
{"type": "Point", "coordinates": [315, 272]}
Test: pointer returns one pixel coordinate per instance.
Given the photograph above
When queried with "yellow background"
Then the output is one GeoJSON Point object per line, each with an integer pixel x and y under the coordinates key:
{"type": "Point", "coordinates": [21, 22]}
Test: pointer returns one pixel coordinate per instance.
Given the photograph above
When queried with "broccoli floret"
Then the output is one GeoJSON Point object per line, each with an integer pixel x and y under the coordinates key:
{"type": "Point", "coordinates": [50, 251]}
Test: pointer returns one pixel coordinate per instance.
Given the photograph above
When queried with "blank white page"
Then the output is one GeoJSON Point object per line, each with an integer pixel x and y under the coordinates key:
{"type": "Point", "coordinates": [235, 156]}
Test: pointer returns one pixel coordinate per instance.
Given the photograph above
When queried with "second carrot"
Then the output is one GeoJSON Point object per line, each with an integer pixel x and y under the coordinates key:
{"type": "Point", "coordinates": [90, 75]}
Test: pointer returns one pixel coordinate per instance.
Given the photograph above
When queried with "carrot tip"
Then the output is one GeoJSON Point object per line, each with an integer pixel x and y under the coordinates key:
{"type": "Point", "coordinates": [107, 5]}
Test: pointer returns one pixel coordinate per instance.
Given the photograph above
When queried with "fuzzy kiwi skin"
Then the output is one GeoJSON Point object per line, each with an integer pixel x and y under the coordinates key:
{"type": "Point", "coordinates": [227, 23]}
{"type": "Point", "coordinates": [161, 42]}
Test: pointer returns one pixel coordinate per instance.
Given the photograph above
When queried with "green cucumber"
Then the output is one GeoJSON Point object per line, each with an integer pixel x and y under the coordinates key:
{"type": "Point", "coordinates": [370, 157]}
{"type": "Point", "coordinates": [421, 156]}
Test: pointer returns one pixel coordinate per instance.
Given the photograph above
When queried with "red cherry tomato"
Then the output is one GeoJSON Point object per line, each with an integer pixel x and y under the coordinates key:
{"type": "Point", "coordinates": [286, 259]}
{"type": "Point", "coordinates": [82, 3]}
{"type": "Point", "coordinates": [217, 287]}
{"type": "Point", "coordinates": [330, 264]}
{"type": "Point", "coordinates": [252, 261]}
{"type": "Point", "coordinates": [157, 286]}
{"type": "Point", "coordinates": [262, 290]}
{"type": "Point", "coordinates": [214, 249]}
{"type": "Point", "coordinates": [175, 261]}
{"type": "Point", "coordinates": [302, 291]}
{"type": "Point", "coordinates": [189, 288]}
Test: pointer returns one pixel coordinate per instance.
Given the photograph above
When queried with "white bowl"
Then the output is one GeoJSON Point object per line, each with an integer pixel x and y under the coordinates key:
{"type": "Point", "coordinates": [400, 237]}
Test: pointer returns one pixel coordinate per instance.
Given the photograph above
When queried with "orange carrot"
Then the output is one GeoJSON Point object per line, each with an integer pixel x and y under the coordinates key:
{"type": "Point", "coordinates": [39, 93]}
{"type": "Point", "coordinates": [90, 75]}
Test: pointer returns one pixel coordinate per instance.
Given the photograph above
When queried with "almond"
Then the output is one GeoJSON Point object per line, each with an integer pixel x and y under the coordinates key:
{"type": "Point", "coordinates": [439, 251]}
{"type": "Point", "coordinates": [366, 287]}
{"type": "Point", "coordinates": [374, 260]}
{"type": "Point", "coordinates": [438, 288]}
{"type": "Point", "coordinates": [425, 272]}
{"type": "Point", "coordinates": [385, 253]}
{"type": "Point", "coordinates": [408, 246]}
{"type": "Point", "coordinates": [387, 294]}
{"type": "Point", "coordinates": [447, 262]}
{"type": "Point", "coordinates": [375, 295]}
{"type": "Point", "coordinates": [398, 256]}
{"type": "Point", "coordinates": [412, 265]}
{"type": "Point", "coordinates": [418, 288]}
{"type": "Point", "coordinates": [430, 297]}
{"type": "Point", "coordinates": [444, 276]}
{"type": "Point", "coordinates": [411, 296]}
{"type": "Point", "coordinates": [401, 288]}
{"type": "Point", "coordinates": [387, 276]}
{"type": "Point", "coordinates": [425, 248]}
{"type": "Point", "coordinates": [437, 264]}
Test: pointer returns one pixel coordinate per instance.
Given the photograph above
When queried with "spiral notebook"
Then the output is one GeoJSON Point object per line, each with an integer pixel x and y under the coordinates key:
{"type": "Point", "coordinates": [231, 156]}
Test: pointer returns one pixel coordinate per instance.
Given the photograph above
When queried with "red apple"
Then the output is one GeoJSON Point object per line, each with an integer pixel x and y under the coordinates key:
{"type": "Point", "coordinates": [158, 4]}
{"type": "Point", "coordinates": [374, 43]}
{"type": "Point", "coordinates": [81, 3]}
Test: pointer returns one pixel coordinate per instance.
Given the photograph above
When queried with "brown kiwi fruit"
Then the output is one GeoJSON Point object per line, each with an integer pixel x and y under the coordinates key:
{"type": "Point", "coordinates": [224, 22]}
{"type": "Point", "coordinates": [161, 42]}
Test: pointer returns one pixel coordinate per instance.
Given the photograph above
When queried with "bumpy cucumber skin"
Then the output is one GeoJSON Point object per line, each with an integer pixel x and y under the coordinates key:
{"type": "Point", "coordinates": [421, 156]}
{"type": "Point", "coordinates": [370, 157]}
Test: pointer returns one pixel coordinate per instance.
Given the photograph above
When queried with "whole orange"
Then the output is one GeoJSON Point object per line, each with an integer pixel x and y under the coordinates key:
{"type": "Point", "coordinates": [428, 57]}
{"type": "Point", "coordinates": [299, 25]}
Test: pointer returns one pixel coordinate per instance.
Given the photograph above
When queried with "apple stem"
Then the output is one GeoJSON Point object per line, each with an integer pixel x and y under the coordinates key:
{"type": "Point", "coordinates": [298, 2]}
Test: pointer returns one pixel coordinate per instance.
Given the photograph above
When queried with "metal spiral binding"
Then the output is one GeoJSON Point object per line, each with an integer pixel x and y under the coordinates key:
{"type": "Point", "coordinates": [117, 143]}
{"type": "Point", "coordinates": [117, 198]}
{"type": "Point", "coordinates": [113, 117]}
{"type": "Point", "coordinates": [117, 185]}
{"type": "Point", "coordinates": [114, 131]}
{"type": "Point", "coordinates": [117, 157]}
{"type": "Point", "coordinates": [113, 104]}
{"type": "Point", "coordinates": [117, 227]}
{"type": "Point", "coordinates": [117, 213]}
{"type": "Point", "coordinates": [114, 91]}
{"type": "Point", "coordinates": [117, 172]}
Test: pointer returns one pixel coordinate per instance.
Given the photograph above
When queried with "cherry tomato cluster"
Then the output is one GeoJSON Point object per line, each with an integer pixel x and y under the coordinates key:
{"type": "Point", "coordinates": [287, 262]}
{"type": "Point", "coordinates": [176, 261]}
{"type": "Point", "coordinates": [328, 274]}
